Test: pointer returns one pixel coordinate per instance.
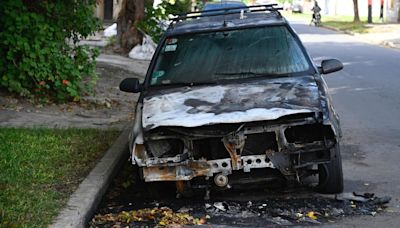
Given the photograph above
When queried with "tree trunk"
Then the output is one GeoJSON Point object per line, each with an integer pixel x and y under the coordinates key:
{"type": "Point", "coordinates": [398, 15]}
{"type": "Point", "coordinates": [356, 15]}
{"type": "Point", "coordinates": [128, 36]}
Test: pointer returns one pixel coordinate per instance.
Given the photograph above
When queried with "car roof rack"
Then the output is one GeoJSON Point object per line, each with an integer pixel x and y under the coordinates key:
{"type": "Point", "coordinates": [227, 11]}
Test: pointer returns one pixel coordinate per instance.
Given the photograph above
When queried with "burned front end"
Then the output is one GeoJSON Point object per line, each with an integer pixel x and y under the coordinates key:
{"type": "Point", "coordinates": [180, 138]}
{"type": "Point", "coordinates": [288, 144]}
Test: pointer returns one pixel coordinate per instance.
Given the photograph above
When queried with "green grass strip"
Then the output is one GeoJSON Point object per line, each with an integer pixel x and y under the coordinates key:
{"type": "Point", "coordinates": [347, 26]}
{"type": "Point", "coordinates": [40, 168]}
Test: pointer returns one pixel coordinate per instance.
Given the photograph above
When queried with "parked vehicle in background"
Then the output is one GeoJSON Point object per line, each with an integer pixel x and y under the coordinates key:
{"type": "Point", "coordinates": [234, 100]}
{"type": "Point", "coordinates": [287, 6]}
{"type": "Point", "coordinates": [223, 5]}
{"type": "Point", "coordinates": [297, 7]}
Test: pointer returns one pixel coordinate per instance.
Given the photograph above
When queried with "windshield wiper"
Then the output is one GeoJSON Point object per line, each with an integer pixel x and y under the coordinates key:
{"type": "Point", "coordinates": [247, 73]}
{"type": "Point", "coordinates": [236, 73]}
{"type": "Point", "coordinates": [178, 84]}
{"type": "Point", "coordinates": [252, 74]}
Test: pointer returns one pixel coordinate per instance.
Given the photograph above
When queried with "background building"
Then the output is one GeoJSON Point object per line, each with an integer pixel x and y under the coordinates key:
{"type": "Point", "coordinates": [107, 10]}
{"type": "Point", "coordinates": [346, 7]}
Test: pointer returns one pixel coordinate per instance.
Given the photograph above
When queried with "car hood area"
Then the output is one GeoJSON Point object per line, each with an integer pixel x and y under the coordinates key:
{"type": "Point", "coordinates": [259, 100]}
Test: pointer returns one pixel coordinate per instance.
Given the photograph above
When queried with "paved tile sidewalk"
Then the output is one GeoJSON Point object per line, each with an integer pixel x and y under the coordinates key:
{"type": "Point", "coordinates": [383, 34]}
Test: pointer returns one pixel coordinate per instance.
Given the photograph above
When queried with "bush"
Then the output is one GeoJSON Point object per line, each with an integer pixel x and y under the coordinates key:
{"type": "Point", "coordinates": [39, 54]}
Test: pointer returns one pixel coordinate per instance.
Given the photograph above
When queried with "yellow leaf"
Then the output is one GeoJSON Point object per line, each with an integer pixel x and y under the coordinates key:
{"type": "Point", "coordinates": [311, 215]}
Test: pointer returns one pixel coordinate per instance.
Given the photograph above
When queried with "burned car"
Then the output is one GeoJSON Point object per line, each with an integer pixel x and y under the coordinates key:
{"type": "Point", "coordinates": [233, 97]}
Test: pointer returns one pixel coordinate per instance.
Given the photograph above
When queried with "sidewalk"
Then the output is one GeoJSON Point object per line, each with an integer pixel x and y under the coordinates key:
{"type": "Point", "coordinates": [107, 108]}
{"type": "Point", "coordinates": [383, 34]}
{"type": "Point", "coordinates": [380, 34]}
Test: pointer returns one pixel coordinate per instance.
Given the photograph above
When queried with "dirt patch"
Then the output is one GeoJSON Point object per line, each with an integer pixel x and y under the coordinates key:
{"type": "Point", "coordinates": [107, 108]}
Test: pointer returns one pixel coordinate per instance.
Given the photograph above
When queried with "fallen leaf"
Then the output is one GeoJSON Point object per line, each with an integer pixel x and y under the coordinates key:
{"type": "Point", "coordinates": [311, 215]}
{"type": "Point", "coordinates": [202, 221]}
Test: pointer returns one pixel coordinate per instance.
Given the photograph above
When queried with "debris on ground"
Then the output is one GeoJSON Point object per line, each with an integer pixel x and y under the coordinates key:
{"type": "Point", "coordinates": [300, 210]}
{"type": "Point", "coordinates": [365, 197]}
{"type": "Point", "coordinates": [145, 50]}
{"type": "Point", "coordinates": [258, 208]}
{"type": "Point", "coordinates": [111, 30]}
{"type": "Point", "coordinates": [280, 221]}
{"type": "Point", "coordinates": [220, 206]}
{"type": "Point", "coordinates": [160, 216]}
{"type": "Point", "coordinates": [311, 215]}
{"type": "Point", "coordinates": [281, 211]}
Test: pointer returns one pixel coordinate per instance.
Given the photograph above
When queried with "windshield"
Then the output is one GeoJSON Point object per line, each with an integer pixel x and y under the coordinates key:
{"type": "Point", "coordinates": [228, 55]}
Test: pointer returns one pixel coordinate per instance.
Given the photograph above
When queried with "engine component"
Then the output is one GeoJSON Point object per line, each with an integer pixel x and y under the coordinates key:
{"type": "Point", "coordinates": [161, 148]}
{"type": "Point", "coordinates": [221, 180]}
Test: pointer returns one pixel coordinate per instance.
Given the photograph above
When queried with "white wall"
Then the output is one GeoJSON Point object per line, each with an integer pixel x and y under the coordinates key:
{"type": "Point", "coordinates": [99, 11]}
{"type": "Point", "coordinates": [392, 9]}
{"type": "Point", "coordinates": [346, 7]}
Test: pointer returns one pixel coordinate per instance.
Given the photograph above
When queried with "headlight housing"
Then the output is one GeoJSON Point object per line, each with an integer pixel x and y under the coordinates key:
{"type": "Point", "coordinates": [165, 148]}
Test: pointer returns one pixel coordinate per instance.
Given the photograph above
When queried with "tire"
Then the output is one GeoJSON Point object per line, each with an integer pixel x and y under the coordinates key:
{"type": "Point", "coordinates": [330, 175]}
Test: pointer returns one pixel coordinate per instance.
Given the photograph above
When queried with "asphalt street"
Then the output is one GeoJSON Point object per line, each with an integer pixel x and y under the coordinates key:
{"type": "Point", "coordinates": [366, 95]}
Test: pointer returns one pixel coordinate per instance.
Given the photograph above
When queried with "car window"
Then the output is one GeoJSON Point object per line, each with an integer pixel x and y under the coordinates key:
{"type": "Point", "coordinates": [238, 54]}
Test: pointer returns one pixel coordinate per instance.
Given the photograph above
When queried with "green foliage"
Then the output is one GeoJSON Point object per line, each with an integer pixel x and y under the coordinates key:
{"type": "Point", "coordinates": [39, 54]}
{"type": "Point", "coordinates": [155, 18]}
{"type": "Point", "coordinates": [111, 40]}
{"type": "Point", "coordinates": [40, 168]}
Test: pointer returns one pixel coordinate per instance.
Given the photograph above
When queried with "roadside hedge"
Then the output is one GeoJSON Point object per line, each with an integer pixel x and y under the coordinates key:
{"type": "Point", "coordinates": [39, 55]}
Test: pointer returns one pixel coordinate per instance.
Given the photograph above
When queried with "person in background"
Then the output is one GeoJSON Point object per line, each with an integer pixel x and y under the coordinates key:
{"type": "Point", "coordinates": [316, 16]}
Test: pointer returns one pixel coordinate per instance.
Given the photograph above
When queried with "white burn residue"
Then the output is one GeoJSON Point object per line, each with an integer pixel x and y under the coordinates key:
{"type": "Point", "coordinates": [235, 103]}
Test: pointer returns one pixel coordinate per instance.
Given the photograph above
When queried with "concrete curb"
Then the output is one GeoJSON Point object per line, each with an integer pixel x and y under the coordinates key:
{"type": "Point", "coordinates": [338, 30]}
{"type": "Point", "coordinates": [84, 201]}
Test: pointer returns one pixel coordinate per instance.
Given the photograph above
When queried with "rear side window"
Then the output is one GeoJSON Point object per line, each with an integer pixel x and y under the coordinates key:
{"type": "Point", "coordinates": [211, 57]}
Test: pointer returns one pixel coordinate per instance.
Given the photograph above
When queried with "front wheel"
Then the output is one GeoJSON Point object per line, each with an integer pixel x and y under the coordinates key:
{"type": "Point", "coordinates": [330, 175]}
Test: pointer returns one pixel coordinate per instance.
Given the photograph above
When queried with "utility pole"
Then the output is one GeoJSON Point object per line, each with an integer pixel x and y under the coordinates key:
{"type": "Point", "coordinates": [369, 11]}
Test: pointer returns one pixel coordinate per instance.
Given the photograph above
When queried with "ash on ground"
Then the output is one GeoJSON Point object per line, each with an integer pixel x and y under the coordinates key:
{"type": "Point", "coordinates": [131, 203]}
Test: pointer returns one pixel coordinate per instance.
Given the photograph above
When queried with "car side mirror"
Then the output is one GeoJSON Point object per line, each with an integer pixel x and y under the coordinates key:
{"type": "Point", "coordinates": [130, 85]}
{"type": "Point", "coordinates": [329, 66]}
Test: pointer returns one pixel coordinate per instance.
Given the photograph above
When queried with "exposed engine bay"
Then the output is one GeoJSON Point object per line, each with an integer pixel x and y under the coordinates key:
{"type": "Point", "coordinates": [289, 144]}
